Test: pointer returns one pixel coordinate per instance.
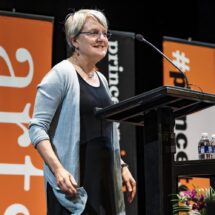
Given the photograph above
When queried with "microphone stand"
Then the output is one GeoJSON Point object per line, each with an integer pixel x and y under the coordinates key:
{"type": "Point", "coordinates": [140, 38]}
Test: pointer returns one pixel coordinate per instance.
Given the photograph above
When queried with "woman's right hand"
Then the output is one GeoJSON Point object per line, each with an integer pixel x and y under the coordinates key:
{"type": "Point", "coordinates": [66, 182]}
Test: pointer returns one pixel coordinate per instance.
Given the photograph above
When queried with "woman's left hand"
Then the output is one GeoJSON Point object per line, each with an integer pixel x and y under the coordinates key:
{"type": "Point", "coordinates": [130, 183]}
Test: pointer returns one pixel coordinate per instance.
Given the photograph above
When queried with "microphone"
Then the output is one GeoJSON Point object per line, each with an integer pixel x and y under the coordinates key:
{"type": "Point", "coordinates": [140, 38]}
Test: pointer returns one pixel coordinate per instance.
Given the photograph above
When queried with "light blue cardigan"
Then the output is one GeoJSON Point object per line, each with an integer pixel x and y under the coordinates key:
{"type": "Point", "coordinates": [56, 117]}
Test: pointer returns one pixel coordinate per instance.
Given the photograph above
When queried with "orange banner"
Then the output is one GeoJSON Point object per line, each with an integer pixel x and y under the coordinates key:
{"type": "Point", "coordinates": [25, 57]}
{"type": "Point", "coordinates": [195, 182]}
{"type": "Point", "coordinates": [196, 60]}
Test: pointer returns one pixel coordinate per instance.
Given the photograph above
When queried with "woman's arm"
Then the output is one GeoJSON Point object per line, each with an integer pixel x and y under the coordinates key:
{"type": "Point", "coordinates": [50, 94]}
{"type": "Point", "coordinates": [65, 181]}
{"type": "Point", "coordinates": [128, 181]}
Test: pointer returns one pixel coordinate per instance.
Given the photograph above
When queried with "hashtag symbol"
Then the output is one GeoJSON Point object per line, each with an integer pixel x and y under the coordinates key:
{"type": "Point", "coordinates": [181, 61]}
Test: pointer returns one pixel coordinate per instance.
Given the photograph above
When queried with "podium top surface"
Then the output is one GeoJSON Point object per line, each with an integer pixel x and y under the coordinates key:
{"type": "Point", "coordinates": [182, 101]}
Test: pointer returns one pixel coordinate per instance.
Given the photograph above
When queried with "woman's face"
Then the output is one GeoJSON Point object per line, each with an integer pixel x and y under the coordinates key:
{"type": "Point", "coordinates": [92, 41]}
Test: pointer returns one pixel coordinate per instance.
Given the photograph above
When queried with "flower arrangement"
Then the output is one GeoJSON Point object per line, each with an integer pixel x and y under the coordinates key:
{"type": "Point", "coordinates": [193, 202]}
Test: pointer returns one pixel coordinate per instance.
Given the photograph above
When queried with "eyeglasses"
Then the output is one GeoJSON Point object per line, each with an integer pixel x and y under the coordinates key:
{"type": "Point", "coordinates": [97, 34]}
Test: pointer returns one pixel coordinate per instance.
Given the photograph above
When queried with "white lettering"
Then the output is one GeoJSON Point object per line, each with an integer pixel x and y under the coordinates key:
{"type": "Point", "coordinates": [22, 55]}
{"type": "Point", "coordinates": [27, 170]}
{"type": "Point", "coordinates": [19, 119]}
{"type": "Point", "coordinates": [113, 47]}
{"type": "Point", "coordinates": [114, 92]}
{"type": "Point", "coordinates": [114, 69]}
{"type": "Point", "coordinates": [16, 209]}
{"type": "Point", "coordinates": [113, 78]}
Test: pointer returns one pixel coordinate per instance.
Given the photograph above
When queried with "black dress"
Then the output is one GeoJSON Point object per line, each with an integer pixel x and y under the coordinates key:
{"type": "Point", "coordinates": [96, 151]}
{"type": "Point", "coordinates": [96, 156]}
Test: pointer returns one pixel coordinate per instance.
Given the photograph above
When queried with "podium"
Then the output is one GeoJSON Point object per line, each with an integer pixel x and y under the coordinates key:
{"type": "Point", "coordinates": [157, 110]}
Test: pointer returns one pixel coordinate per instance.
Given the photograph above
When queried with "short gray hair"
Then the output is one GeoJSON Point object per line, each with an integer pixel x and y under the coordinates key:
{"type": "Point", "coordinates": [75, 22]}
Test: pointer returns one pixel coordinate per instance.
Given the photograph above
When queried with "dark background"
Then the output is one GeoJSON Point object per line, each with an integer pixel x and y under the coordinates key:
{"type": "Point", "coordinates": [185, 19]}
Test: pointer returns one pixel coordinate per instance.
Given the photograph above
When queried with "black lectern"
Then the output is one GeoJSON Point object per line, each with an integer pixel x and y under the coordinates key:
{"type": "Point", "coordinates": [157, 110]}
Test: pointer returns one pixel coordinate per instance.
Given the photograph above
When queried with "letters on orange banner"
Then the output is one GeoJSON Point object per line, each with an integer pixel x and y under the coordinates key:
{"type": "Point", "coordinates": [197, 60]}
{"type": "Point", "coordinates": [25, 57]}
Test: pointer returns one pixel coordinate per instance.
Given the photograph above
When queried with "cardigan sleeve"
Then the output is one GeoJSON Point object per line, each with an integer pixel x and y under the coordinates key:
{"type": "Point", "coordinates": [50, 93]}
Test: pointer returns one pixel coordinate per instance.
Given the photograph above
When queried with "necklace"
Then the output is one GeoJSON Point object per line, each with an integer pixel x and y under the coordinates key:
{"type": "Point", "coordinates": [89, 74]}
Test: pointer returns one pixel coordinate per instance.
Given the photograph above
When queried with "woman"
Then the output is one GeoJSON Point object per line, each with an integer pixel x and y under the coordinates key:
{"type": "Point", "coordinates": [81, 153]}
